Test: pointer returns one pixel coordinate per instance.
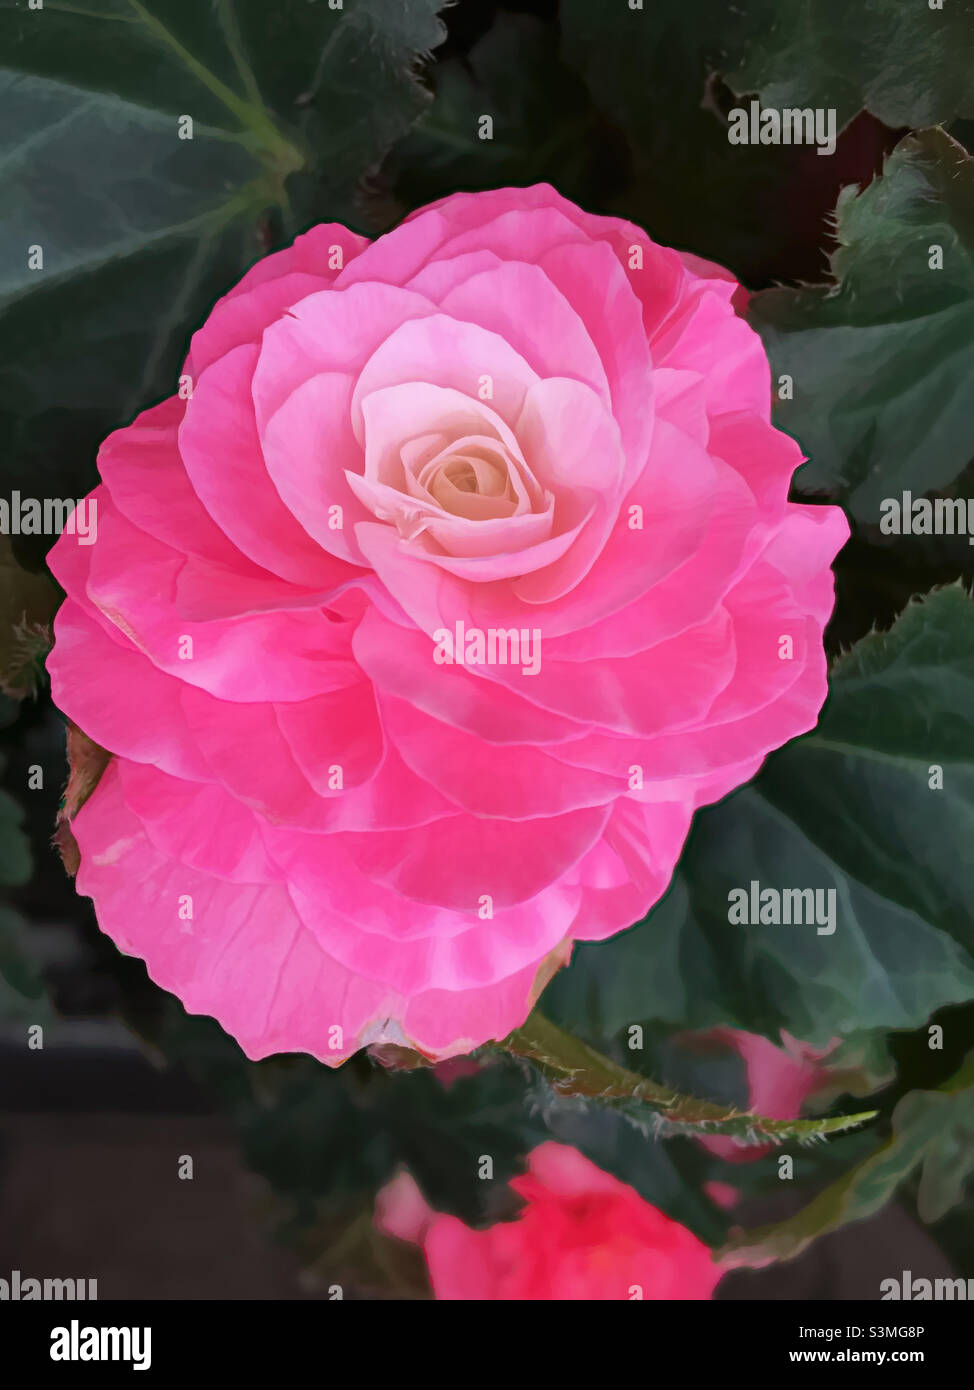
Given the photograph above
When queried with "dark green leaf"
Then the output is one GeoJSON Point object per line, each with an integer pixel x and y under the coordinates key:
{"type": "Point", "coordinates": [883, 361]}
{"type": "Point", "coordinates": [140, 229]}
{"type": "Point", "coordinates": [909, 64]}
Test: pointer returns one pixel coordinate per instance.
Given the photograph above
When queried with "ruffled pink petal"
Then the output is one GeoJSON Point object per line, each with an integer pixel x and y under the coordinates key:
{"type": "Point", "coordinates": [573, 447]}
{"type": "Point", "coordinates": [144, 474]}
{"type": "Point", "coordinates": [514, 781]}
{"type": "Point", "coordinates": [455, 862]}
{"type": "Point", "coordinates": [132, 581]}
{"type": "Point", "coordinates": [667, 686]}
{"type": "Point", "coordinates": [446, 352]}
{"type": "Point", "coordinates": [241, 317]}
{"type": "Point", "coordinates": [400, 661]}
{"type": "Point", "coordinates": [207, 830]}
{"type": "Point", "coordinates": [522, 305]}
{"type": "Point", "coordinates": [765, 458]}
{"type": "Point", "coordinates": [689, 594]}
{"type": "Point", "coordinates": [328, 332]}
{"type": "Point", "coordinates": [113, 692]}
{"type": "Point", "coordinates": [309, 446]}
{"type": "Point", "coordinates": [245, 958]}
{"type": "Point", "coordinates": [709, 338]}
{"type": "Point", "coordinates": [220, 448]}
{"type": "Point", "coordinates": [310, 253]}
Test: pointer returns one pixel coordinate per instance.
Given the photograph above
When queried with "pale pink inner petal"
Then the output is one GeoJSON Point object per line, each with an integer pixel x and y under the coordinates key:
{"type": "Point", "coordinates": [472, 479]}
{"type": "Point", "coordinates": [448, 473]}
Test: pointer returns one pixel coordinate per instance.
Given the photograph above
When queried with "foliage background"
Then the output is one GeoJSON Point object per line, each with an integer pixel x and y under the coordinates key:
{"type": "Point", "coordinates": [305, 113]}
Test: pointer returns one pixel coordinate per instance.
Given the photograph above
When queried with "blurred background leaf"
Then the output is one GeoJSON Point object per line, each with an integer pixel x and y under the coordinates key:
{"type": "Point", "coordinates": [933, 1131]}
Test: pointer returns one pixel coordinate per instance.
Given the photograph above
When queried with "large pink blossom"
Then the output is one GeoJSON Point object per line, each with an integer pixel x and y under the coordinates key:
{"type": "Point", "coordinates": [506, 414]}
{"type": "Point", "coordinates": [581, 1234]}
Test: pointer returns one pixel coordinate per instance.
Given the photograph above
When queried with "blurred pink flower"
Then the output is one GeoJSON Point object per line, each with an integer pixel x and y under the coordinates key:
{"type": "Point", "coordinates": [780, 1079]}
{"type": "Point", "coordinates": [582, 1234]}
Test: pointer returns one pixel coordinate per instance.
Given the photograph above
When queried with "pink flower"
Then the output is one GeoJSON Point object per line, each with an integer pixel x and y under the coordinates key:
{"type": "Point", "coordinates": [345, 807]}
{"type": "Point", "coordinates": [581, 1234]}
{"type": "Point", "coordinates": [780, 1079]}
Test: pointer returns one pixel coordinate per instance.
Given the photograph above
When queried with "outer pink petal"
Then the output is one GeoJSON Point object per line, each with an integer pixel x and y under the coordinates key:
{"type": "Point", "coordinates": [516, 782]}
{"type": "Point", "coordinates": [131, 582]}
{"type": "Point", "coordinates": [141, 467]}
{"type": "Point", "coordinates": [521, 304]}
{"type": "Point", "coordinates": [246, 958]}
{"type": "Point", "coordinates": [220, 448]}
{"type": "Point", "coordinates": [328, 332]}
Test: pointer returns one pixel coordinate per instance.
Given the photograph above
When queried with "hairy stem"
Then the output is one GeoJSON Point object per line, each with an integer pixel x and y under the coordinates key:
{"type": "Point", "coordinates": [574, 1069]}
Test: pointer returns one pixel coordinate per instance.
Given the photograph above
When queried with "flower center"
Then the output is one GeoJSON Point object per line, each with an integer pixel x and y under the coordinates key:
{"type": "Point", "coordinates": [454, 480]}
{"type": "Point", "coordinates": [470, 478]}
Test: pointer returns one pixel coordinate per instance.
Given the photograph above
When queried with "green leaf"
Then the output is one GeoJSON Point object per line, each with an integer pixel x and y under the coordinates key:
{"type": "Point", "coordinates": [906, 63]}
{"type": "Point", "coordinates": [365, 94]}
{"type": "Point", "coordinates": [141, 230]}
{"type": "Point", "coordinates": [883, 361]}
{"type": "Point", "coordinates": [848, 808]}
{"type": "Point", "coordinates": [933, 1131]}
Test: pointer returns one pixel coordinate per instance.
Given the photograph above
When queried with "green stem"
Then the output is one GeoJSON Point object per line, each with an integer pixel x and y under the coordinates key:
{"type": "Point", "coordinates": [575, 1069]}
